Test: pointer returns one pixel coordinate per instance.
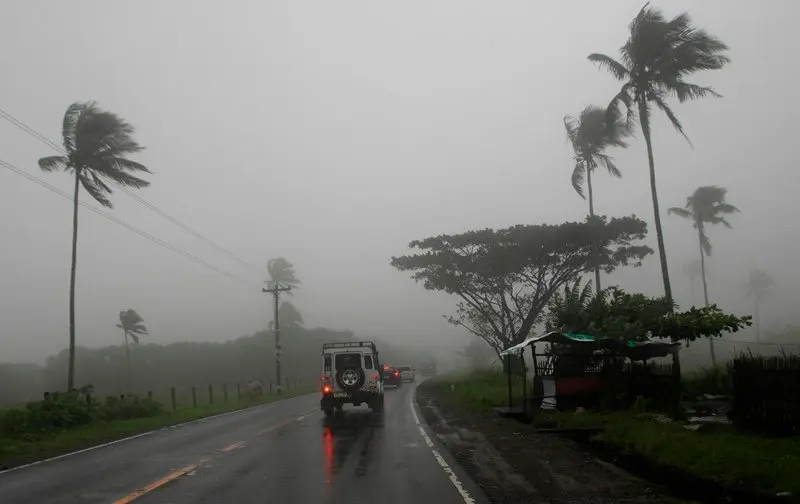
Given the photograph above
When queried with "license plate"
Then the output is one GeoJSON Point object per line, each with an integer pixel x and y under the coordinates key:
{"type": "Point", "coordinates": [340, 394]}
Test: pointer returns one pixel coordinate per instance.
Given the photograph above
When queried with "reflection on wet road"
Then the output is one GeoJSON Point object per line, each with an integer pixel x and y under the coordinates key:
{"type": "Point", "coordinates": [283, 452]}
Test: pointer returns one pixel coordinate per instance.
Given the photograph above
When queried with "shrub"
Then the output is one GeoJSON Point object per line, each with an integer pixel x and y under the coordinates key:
{"type": "Point", "coordinates": [68, 410]}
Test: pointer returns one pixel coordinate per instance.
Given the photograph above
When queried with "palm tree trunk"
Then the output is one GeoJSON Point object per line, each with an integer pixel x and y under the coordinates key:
{"type": "Point", "coordinates": [644, 120]}
{"type": "Point", "coordinates": [705, 291]}
{"type": "Point", "coordinates": [591, 214]}
{"type": "Point", "coordinates": [758, 324]}
{"type": "Point", "coordinates": [71, 371]}
{"type": "Point", "coordinates": [128, 358]}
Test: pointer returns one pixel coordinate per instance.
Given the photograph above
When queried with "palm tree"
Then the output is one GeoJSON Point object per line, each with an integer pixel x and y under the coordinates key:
{"type": "Point", "coordinates": [706, 206]}
{"type": "Point", "coordinates": [96, 144]}
{"type": "Point", "coordinates": [133, 327]}
{"type": "Point", "coordinates": [658, 55]}
{"type": "Point", "coordinates": [759, 285]}
{"type": "Point", "coordinates": [590, 135]}
{"type": "Point", "coordinates": [282, 272]}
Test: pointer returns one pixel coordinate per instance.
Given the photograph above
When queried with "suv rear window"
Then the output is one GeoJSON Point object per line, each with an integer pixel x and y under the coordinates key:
{"type": "Point", "coordinates": [348, 360]}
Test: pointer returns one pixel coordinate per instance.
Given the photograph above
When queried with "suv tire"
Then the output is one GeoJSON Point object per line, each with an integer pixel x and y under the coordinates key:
{"type": "Point", "coordinates": [350, 378]}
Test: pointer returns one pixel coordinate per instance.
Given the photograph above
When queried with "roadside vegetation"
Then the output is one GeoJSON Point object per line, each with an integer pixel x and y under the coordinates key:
{"type": "Point", "coordinates": [69, 421]}
{"type": "Point", "coordinates": [733, 459]}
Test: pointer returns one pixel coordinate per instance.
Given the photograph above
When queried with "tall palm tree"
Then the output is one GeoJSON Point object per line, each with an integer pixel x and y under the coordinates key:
{"type": "Point", "coordinates": [658, 55]}
{"type": "Point", "coordinates": [706, 206]}
{"type": "Point", "coordinates": [759, 285]}
{"type": "Point", "coordinates": [133, 327]}
{"type": "Point", "coordinates": [591, 134]}
{"type": "Point", "coordinates": [96, 144]}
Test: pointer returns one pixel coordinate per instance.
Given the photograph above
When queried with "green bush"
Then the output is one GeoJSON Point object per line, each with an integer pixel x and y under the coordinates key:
{"type": "Point", "coordinates": [116, 408]}
{"type": "Point", "coordinates": [68, 410]}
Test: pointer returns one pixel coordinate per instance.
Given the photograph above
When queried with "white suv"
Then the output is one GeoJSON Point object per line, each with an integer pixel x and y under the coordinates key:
{"type": "Point", "coordinates": [351, 375]}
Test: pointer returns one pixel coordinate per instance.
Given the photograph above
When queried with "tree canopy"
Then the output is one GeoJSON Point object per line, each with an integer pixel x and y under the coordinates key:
{"type": "Point", "coordinates": [618, 314]}
{"type": "Point", "coordinates": [132, 324]}
{"type": "Point", "coordinates": [504, 278]}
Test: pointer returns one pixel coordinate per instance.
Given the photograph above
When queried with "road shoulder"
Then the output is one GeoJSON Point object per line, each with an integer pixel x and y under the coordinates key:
{"type": "Point", "coordinates": [513, 464]}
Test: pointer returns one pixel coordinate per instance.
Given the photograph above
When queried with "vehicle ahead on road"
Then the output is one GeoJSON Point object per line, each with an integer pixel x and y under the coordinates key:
{"type": "Point", "coordinates": [407, 373]}
{"type": "Point", "coordinates": [351, 375]}
{"type": "Point", "coordinates": [391, 376]}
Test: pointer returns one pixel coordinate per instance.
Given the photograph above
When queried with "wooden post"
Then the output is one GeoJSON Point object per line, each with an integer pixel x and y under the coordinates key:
{"type": "Point", "coordinates": [225, 391]}
{"type": "Point", "coordinates": [524, 384]}
{"type": "Point", "coordinates": [172, 395]}
{"type": "Point", "coordinates": [194, 396]}
{"type": "Point", "coordinates": [508, 369]}
{"type": "Point", "coordinates": [210, 394]}
{"type": "Point", "coordinates": [149, 394]}
{"type": "Point", "coordinates": [238, 391]}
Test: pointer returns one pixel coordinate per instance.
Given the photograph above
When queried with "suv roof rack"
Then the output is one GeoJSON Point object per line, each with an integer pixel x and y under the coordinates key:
{"type": "Point", "coordinates": [350, 344]}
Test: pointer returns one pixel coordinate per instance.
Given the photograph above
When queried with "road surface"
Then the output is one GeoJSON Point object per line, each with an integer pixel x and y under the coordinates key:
{"type": "Point", "coordinates": [284, 452]}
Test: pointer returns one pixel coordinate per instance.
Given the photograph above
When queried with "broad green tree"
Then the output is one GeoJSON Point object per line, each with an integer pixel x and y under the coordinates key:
{"type": "Point", "coordinates": [133, 328]}
{"type": "Point", "coordinates": [706, 206]}
{"type": "Point", "coordinates": [504, 278]}
{"type": "Point", "coordinates": [591, 134]}
{"type": "Point", "coordinates": [96, 143]}
{"type": "Point", "coordinates": [759, 285]}
{"type": "Point", "coordinates": [654, 63]}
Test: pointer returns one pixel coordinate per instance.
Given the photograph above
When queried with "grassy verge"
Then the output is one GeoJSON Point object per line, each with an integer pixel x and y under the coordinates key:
{"type": "Point", "coordinates": [719, 454]}
{"type": "Point", "coordinates": [15, 452]}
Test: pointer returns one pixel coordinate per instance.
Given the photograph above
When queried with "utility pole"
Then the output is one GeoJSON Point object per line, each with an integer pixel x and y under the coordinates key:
{"type": "Point", "coordinates": [275, 289]}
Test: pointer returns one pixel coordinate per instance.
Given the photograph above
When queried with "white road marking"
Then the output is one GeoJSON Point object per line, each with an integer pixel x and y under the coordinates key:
{"type": "Point", "coordinates": [445, 467]}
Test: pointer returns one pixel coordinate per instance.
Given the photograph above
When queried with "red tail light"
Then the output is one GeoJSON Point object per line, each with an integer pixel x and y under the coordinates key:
{"type": "Point", "coordinates": [326, 389]}
{"type": "Point", "coordinates": [397, 373]}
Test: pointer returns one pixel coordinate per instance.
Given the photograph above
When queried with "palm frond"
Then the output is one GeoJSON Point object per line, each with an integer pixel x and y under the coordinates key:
{"type": "Point", "coordinates": [725, 208]}
{"type": "Point", "coordinates": [685, 91]}
{"type": "Point", "coordinates": [96, 191]}
{"type": "Point", "coordinates": [110, 171]}
{"type": "Point", "coordinates": [53, 163]}
{"type": "Point", "coordinates": [705, 242]}
{"type": "Point", "coordinates": [661, 104]}
{"type": "Point", "coordinates": [608, 162]}
{"type": "Point", "coordinates": [680, 212]}
{"type": "Point", "coordinates": [578, 178]}
{"type": "Point", "coordinates": [68, 127]}
{"type": "Point", "coordinates": [616, 68]}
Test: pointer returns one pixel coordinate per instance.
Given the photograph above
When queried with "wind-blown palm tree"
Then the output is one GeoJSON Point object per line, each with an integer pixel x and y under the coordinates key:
{"type": "Point", "coordinates": [133, 328]}
{"type": "Point", "coordinates": [658, 55]}
{"type": "Point", "coordinates": [282, 271]}
{"type": "Point", "coordinates": [591, 134]}
{"type": "Point", "coordinates": [706, 206]}
{"type": "Point", "coordinates": [96, 144]}
{"type": "Point", "coordinates": [759, 285]}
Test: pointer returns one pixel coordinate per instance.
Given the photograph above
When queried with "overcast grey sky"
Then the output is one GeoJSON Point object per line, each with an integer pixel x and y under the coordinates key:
{"type": "Point", "coordinates": [333, 133]}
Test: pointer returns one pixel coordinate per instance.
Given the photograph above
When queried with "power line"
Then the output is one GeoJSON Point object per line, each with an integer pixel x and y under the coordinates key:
{"type": "Point", "coordinates": [126, 225]}
{"type": "Point", "coordinates": [21, 125]}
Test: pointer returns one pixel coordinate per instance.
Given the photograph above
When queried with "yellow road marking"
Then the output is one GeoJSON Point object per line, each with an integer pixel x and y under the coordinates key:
{"type": "Point", "coordinates": [156, 484]}
{"type": "Point", "coordinates": [233, 446]}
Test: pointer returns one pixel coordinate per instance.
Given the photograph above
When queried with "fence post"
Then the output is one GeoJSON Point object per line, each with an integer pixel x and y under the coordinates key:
{"type": "Point", "coordinates": [194, 396]}
{"type": "Point", "coordinates": [210, 394]}
{"type": "Point", "coordinates": [172, 396]}
{"type": "Point", "coordinates": [270, 387]}
{"type": "Point", "coordinates": [238, 391]}
{"type": "Point", "coordinates": [225, 391]}
{"type": "Point", "coordinates": [149, 394]}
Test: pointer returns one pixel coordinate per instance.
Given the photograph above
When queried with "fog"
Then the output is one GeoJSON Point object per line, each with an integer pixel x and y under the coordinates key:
{"type": "Point", "coordinates": [333, 133]}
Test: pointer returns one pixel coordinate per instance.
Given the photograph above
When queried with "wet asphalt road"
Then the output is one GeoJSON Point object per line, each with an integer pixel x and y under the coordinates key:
{"type": "Point", "coordinates": [285, 452]}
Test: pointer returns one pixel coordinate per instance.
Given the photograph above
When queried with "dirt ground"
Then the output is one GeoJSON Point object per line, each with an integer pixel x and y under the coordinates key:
{"type": "Point", "coordinates": [513, 464]}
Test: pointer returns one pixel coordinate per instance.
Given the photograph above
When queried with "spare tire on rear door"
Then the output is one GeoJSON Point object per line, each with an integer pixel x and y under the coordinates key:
{"type": "Point", "coordinates": [350, 378]}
